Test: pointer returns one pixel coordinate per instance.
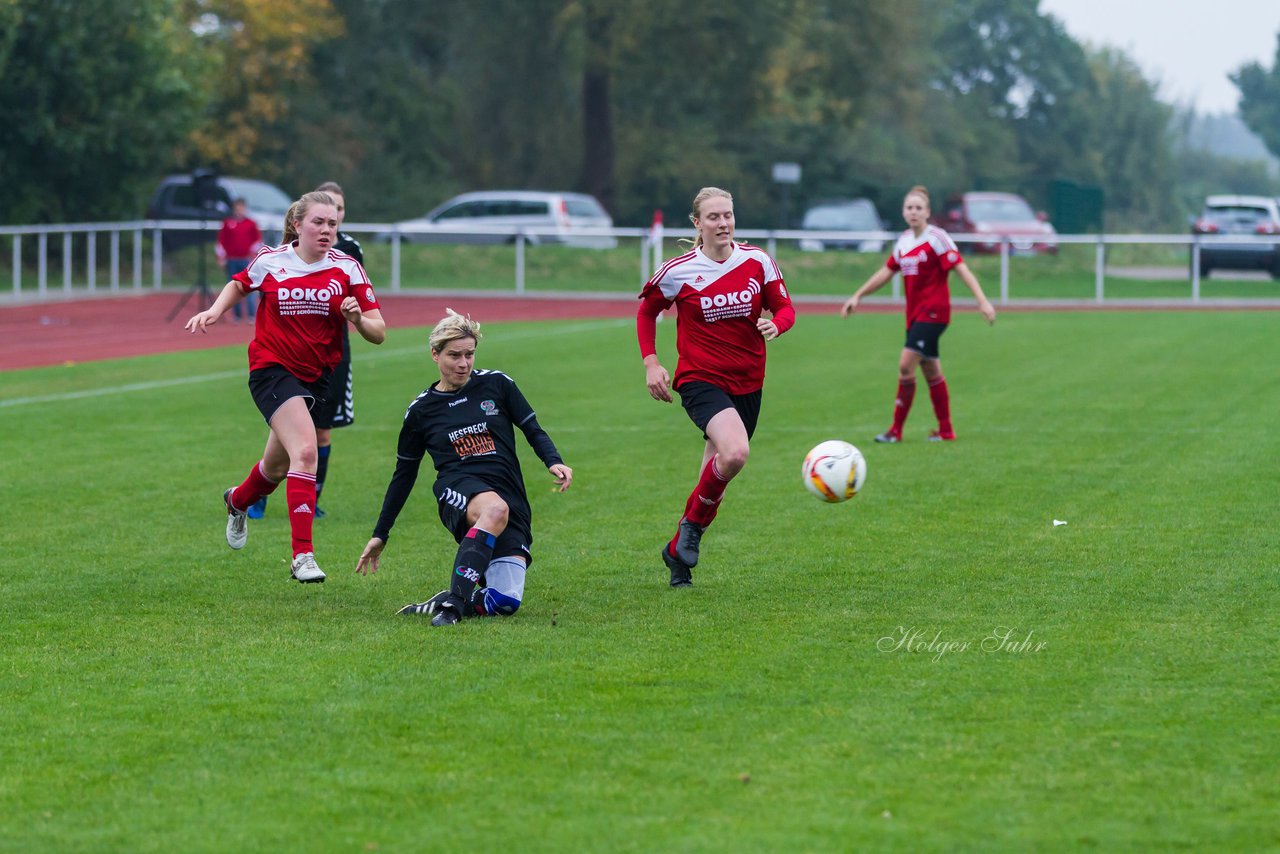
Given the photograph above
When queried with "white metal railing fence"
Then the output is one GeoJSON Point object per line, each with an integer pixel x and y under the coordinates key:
{"type": "Point", "coordinates": [651, 244]}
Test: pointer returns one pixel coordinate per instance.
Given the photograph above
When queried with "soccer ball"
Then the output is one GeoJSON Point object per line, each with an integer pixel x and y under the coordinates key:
{"type": "Point", "coordinates": [834, 471]}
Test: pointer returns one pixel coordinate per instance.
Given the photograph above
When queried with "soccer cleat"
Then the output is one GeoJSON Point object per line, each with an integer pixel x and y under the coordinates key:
{"type": "Point", "coordinates": [427, 608]}
{"type": "Point", "coordinates": [888, 437]}
{"type": "Point", "coordinates": [447, 615]}
{"type": "Point", "coordinates": [680, 574]}
{"type": "Point", "coordinates": [319, 514]}
{"type": "Point", "coordinates": [939, 436]}
{"type": "Point", "coordinates": [237, 523]}
{"type": "Point", "coordinates": [306, 570]}
{"type": "Point", "coordinates": [257, 509]}
{"type": "Point", "coordinates": [687, 541]}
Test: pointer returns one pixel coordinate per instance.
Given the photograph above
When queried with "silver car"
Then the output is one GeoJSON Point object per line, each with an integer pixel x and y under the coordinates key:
{"type": "Point", "coordinates": [496, 216]}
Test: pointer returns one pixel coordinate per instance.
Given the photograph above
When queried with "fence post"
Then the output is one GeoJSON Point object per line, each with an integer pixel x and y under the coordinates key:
{"type": "Point", "coordinates": [157, 259]}
{"type": "Point", "coordinates": [42, 264]}
{"type": "Point", "coordinates": [91, 259]}
{"type": "Point", "coordinates": [1195, 269]}
{"type": "Point", "coordinates": [66, 262]}
{"type": "Point", "coordinates": [644, 259]}
{"type": "Point", "coordinates": [1004, 270]}
{"type": "Point", "coordinates": [520, 263]}
{"type": "Point", "coordinates": [137, 259]}
{"type": "Point", "coordinates": [115, 260]}
{"type": "Point", "coordinates": [17, 265]}
{"type": "Point", "coordinates": [1099, 269]}
{"type": "Point", "coordinates": [395, 263]}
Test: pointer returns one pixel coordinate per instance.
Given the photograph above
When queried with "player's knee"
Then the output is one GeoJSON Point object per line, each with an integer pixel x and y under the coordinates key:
{"type": "Point", "coordinates": [495, 515]}
{"type": "Point", "coordinates": [500, 604]}
{"type": "Point", "coordinates": [305, 457]}
{"type": "Point", "coordinates": [733, 458]}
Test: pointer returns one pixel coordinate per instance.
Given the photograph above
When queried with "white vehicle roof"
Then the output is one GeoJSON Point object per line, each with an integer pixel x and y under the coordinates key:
{"type": "Point", "coordinates": [1240, 201]}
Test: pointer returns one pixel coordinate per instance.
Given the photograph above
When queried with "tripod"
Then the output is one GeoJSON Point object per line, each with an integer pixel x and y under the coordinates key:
{"type": "Point", "coordinates": [204, 193]}
{"type": "Point", "coordinates": [201, 286]}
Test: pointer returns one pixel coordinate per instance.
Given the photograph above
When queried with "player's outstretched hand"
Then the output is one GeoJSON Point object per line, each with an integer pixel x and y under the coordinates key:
{"type": "Point", "coordinates": [850, 306]}
{"type": "Point", "coordinates": [563, 475]}
{"type": "Point", "coordinates": [371, 556]}
{"type": "Point", "coordinates": [204, 319]}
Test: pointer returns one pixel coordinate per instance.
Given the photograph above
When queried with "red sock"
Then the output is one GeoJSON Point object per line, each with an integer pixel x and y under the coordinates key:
{"type": "Point", "coordinates": [705, 499]}
{"type": "Point", "coordinates": [300, 491]}
{"type": "Point", "coordinates": [941, 406]}
{"type": "Point", "coordinates": [254, 487]}
{"type": "Point", "coordinates": [901, 406]}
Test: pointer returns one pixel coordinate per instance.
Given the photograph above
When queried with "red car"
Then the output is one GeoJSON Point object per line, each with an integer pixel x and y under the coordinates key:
{"type": "Point", "coordinates": [993, 216]}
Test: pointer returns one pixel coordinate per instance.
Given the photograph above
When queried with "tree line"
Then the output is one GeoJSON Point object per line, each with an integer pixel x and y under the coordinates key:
{"type": "Point", "coordinates": [407, 102]}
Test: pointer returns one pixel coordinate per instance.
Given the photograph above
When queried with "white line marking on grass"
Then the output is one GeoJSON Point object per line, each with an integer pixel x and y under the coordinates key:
{"type": "Point", "coordinates": [590, 326]}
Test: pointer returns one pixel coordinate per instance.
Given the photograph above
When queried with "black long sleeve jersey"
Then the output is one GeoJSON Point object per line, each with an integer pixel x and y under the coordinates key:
{"type": "Point", "coordinates": [469, 433]}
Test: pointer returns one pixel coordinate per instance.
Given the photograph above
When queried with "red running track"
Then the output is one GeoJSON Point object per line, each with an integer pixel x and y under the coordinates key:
{"type": "Point", "coordinates": [61, 333]}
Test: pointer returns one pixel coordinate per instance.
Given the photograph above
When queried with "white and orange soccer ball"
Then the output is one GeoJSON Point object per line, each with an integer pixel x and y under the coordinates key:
{"type": "Point", "coordinates": [834, 471]}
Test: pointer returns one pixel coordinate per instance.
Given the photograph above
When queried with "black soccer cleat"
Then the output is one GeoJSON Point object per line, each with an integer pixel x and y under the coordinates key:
{"type": "Point", "coordinates": [680, 574]}
{"type": "Point", "coordinates": [688, 540]}
{"type": "Point", "coordinates": [446, 616]}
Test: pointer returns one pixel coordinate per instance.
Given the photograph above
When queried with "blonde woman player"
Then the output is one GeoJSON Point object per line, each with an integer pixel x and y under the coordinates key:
{"type": "Point", "coordinates": [720, 289]}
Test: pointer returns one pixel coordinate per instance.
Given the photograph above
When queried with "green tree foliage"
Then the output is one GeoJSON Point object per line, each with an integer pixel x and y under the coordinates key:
{"type": "Point", "coordinates": [1131, 142]}
{"type": "Point", "coordinates": [1260, 99]}
{"type": "Point", "coordinates": [93, 94]}
{"type": "Point", "coordinates": [259, 55]}
{"type": "Point", "coordinates": [640, 102]}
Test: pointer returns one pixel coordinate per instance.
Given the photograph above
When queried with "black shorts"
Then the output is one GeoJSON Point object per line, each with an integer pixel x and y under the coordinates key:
{"type": "Point", "coordinates": [452, 502]}
{"type": "Point", "coordinates": [923, 338]}
{"type": "Point", "coordinates": [703, 401]}
{"type": "Point", "coordinates": [338, 409]}
{"type": "Point", "coordinates": [273, 385]}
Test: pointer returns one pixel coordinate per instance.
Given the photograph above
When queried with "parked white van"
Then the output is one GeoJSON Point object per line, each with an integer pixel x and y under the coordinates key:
{"type": "Point", "coordinates": [495, 216]}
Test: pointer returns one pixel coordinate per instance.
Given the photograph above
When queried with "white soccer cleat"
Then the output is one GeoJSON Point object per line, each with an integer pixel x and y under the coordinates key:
{"type": "Point", "coordinates": [306, 570]}
{"type": "Point", "coordinates": [237, 523]}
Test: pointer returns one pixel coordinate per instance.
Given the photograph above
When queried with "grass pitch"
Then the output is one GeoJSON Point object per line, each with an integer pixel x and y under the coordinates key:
{"type": "Point", "coordinates": [932, 665]}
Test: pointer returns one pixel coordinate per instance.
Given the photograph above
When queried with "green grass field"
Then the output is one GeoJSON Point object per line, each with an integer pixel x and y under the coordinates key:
{"type": "Point", "coordinates": [160, 692]}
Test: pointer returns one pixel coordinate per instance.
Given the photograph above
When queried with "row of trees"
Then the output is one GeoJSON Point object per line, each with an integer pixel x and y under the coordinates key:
{"type": "Point", "coordinates": [638, 102]}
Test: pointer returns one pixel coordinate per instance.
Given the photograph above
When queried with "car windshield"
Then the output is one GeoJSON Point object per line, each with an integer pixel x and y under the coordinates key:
{"type": "Point", "coordinates": [1000, 210]}
{"type": "Point", "coordinates": [842, 218]}
{"type": "Point", "coordinates": [1236, 215]}
{"type": "Point", "coordinates": [258, 195]}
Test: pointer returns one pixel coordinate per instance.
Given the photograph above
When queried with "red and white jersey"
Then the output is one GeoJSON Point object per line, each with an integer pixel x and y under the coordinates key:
{"type": "Point", "coordinates": [300, 324]}
{"type": "Point", "coordinates": [717, 306]}
{"type": "Point", "coordinates": [924, 262]}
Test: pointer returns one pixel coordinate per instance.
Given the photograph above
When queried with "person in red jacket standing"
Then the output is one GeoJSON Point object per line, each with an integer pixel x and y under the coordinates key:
{"type": "Point", "coordinates": [720, 290]}
{"type": "Point", "coordinates": [925, 254]}
{"type": "Point", "coordinates": [238, 241]}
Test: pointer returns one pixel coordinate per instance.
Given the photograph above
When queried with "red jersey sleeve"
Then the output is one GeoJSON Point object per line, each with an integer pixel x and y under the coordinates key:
{"type": "Point", "coordinates": [778, 301]}
{"type": "Point", "coordinates": [652, 304]}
